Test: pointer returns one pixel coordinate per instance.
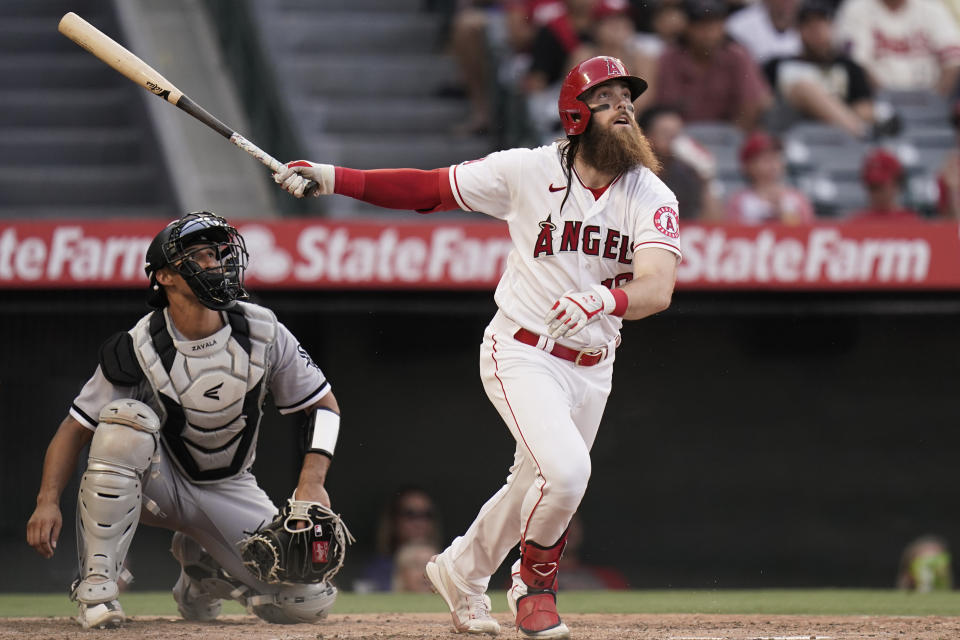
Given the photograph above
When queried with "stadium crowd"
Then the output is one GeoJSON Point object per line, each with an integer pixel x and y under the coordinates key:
{"type": "Point", "coordinates": [762, 111]}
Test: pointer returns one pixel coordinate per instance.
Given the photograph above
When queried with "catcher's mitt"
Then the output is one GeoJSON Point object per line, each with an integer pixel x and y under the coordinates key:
{"type": "Point", "coordinates": [279, 552]}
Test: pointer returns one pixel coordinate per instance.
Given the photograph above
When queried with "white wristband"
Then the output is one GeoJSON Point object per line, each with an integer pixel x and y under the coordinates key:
{"type": "Point", "coordinates": [324, 428]}
{"type": "Point", "coordinates": [606, 296]}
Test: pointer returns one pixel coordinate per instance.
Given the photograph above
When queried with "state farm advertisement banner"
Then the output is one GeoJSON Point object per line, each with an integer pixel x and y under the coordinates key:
{"type": "Point", "coordinates": [422, 254]}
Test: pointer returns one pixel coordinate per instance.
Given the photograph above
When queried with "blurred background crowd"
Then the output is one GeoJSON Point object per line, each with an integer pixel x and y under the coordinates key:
{"type": "Point", "coordinates": [764, 111]}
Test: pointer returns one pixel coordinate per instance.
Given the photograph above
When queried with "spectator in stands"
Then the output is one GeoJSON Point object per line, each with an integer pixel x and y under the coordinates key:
{"type": "Point", "coordinates": [556, 47]}
{"type": "Point", "coordinates": [767, 29]}
{"type": "Point", "coordinates": [925, 565]}
{"type": "Point", "coordinates": [709, 77]}
{"type": "Point", "coordinates": [614, 34]}
{"type": "Point", "coordinates": [948, 179]}
{"type": "Point", "coordinates": [408, 564]}
{"type": "Point", "coordinates": [883, 178]}
{"type": "Point", "coordinates": [824, 84]}
{"type": "Point", "coordinates": [903, 44]}
{"type": "Point", "coordinates": [767, 198]}
{"type": "Point", "coordinates": [667, 21]}
{"type": "Point", "coordinates": [409, 517]}
{"type": "Point", "coordinates": [484, 34]}
{"type": "Point", "coordinates": [688, 169]}
{"type": "Point", "coordinates": [555, 43]}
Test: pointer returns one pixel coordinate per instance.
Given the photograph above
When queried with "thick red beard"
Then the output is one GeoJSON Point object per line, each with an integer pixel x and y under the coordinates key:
{"type": "Point", "coordinates": [614, 149]}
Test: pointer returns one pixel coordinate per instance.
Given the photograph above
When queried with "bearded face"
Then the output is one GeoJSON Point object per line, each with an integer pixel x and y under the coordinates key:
{"type": "Point", "coordinates": [618, 146]}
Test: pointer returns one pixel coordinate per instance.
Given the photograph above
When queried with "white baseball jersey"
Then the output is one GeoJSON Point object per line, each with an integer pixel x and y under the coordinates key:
{"type": "Point", "coordinates": [752, 28]}
{"type": "Point", "coordinates": [591, 241]}
{"type": "Point", "coordinates": [901, 49]}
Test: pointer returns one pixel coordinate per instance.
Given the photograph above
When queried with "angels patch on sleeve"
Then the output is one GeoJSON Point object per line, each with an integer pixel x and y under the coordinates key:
{"type": "Point", "coordinates": [667, 222]}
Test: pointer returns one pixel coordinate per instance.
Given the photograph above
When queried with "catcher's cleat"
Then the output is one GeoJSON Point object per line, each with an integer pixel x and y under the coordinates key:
{"type": "Point", "coordinates": [470, 612]}
{"type": "Point", "coordinates": [192, 603]}
{"type": "Point", "coordinates": [103, 615]}
{"type": "Point", "coordinates": [537, 615]}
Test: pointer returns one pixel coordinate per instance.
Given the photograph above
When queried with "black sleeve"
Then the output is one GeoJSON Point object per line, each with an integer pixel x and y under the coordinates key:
{"type": "Point", "coordinates": [118, 361]}
{"type": "Point", "coordinates": [548, 55]}
{"type": "Point", "coordinates": [770, 69]}
{"type": "Point", "coordinates": [859, 87]}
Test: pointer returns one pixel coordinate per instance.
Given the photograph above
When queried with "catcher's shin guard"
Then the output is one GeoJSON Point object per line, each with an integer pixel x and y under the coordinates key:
{"type": "Point", "coordinates": [536, 610]}
{"type": "Point", "coordinates": [110, 493]}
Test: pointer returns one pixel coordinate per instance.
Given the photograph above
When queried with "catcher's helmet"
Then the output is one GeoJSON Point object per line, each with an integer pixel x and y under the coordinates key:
{"type": "Point", "coordinates": [574, 113]}
{"type": "Point", "coordinates": [217, 287]}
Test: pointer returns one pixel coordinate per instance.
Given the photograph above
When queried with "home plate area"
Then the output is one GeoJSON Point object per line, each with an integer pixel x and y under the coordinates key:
{"type": "Point", "coordinates": [390, 626]}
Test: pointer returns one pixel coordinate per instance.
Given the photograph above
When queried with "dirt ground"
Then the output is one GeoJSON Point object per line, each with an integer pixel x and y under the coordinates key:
{"type": "Point", "coordinates": [435, 626]}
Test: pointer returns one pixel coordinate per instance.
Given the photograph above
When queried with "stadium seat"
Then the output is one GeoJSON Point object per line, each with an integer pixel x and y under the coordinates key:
{"type": "Point", "coordinates": [715, 134]}
{"type": "Point", "coordinates": [918, 108]}
{"type": "Point", "coordinates": [839, 162]}
{"type": "Point", "coordinates": [367, 83]}
{"type": "Point", "coordinates": [75, 136]}
{"type": "Point", "coordinates": [817, 133]}
{"type": "Point", "coordinates": [833, 198]}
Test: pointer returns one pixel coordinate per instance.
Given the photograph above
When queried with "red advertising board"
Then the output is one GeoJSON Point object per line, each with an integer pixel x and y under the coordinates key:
{"type": "Point", "coordinates": [423, 254]}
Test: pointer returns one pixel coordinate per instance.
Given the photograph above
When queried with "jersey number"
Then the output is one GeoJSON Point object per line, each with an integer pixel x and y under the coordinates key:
{"type": "Point", "coordinates": [616, 281]}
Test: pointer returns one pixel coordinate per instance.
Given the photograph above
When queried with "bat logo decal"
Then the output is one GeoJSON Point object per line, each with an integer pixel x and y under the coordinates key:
{"type": "Point", "coordinates": [157, 90]}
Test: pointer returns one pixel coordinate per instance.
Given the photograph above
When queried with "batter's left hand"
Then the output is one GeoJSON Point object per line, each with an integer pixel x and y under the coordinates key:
{"type": "Point", "coordinates": [576, 309]}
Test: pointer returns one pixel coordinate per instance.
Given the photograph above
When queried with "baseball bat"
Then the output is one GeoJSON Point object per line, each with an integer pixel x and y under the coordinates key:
{"type": "Point", "coordinates": [121, 59]}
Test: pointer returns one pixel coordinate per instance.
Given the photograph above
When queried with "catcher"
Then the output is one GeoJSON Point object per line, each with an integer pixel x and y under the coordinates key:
{"type": "Point", "coordinates": [172, 415]}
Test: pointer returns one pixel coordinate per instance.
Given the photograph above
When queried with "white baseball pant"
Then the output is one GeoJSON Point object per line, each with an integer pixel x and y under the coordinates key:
{"type": "Point", "coordinates": [553, 408]}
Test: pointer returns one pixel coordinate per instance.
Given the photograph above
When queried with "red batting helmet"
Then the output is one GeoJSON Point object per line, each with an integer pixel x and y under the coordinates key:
{"type": "Point", "coordinates": [574, 113]}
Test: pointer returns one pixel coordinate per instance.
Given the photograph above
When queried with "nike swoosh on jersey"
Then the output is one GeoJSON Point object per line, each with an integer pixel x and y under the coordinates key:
{"type": "Point", "coordinates": [553, 188]}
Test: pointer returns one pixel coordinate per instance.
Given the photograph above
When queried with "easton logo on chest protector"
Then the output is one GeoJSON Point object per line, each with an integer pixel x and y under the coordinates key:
{"type": "Point", "coordinates": [213, 392]}
{"type": "Point", "coordinates": [212, 404]}
{"type": "Point", "coordinates": [590, 239]}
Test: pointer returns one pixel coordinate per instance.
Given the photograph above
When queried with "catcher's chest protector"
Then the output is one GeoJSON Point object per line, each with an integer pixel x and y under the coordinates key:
{"type": "Point", "coordinates": [211, 390]}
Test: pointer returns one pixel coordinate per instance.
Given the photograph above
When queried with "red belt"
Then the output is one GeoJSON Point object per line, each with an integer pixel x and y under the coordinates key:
{"type": "Point", "coordinates": [584, 358]}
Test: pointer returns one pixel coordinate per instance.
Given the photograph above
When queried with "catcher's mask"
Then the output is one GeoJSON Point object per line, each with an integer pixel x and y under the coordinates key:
{"type": "Point", "coordinates": [177, 246]}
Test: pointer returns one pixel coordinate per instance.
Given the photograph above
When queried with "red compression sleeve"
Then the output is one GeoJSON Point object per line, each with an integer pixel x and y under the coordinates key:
{"type": "Point", "coordinates": [422, 191]}
{"type": "Point", "coordinates": [622, 301]}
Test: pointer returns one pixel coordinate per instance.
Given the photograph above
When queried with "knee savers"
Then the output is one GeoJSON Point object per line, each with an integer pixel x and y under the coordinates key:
{"type": "Point", "coordinates": [110, 495]}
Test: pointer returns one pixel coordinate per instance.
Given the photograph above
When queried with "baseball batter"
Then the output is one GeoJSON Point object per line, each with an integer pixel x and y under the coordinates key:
{"type": "Point", "coordinates": [595, 241]}
{"type": "Point", "coordinates": [171, 415]}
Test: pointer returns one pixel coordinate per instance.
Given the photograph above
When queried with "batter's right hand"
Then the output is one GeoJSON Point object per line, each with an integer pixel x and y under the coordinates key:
{"type": "Point", "coordinates": [43, 529]}
{"type": "Point", "coordinates": [296, 175]}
